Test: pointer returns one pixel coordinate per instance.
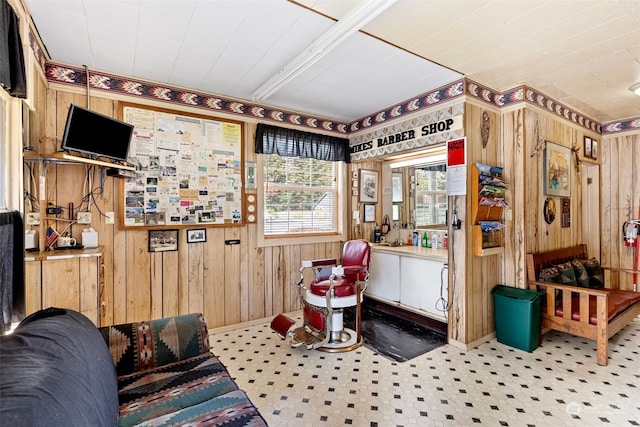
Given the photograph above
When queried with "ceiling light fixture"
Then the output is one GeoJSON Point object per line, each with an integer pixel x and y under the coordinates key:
{"type": "Point", "coordinates": [635, 89]}
{"type": "Point", "coordinates": [358, 17]}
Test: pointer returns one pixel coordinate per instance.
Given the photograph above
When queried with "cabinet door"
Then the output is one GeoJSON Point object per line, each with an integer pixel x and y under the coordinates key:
{"type": "Point", "coordinates": [72, 283]}
{"type": "Point", "coordinates": [431, 291]}
{"type": "Point", "coordinates": [412, 279]}
{"type": "Point", "coordinates": [61, 283]}
{"type": "Point", "coordinates": [32, 286]}
{"type": "Point", "coordinates": [420, 284]}
{"type": "Point", "coordinates": [384, 281]}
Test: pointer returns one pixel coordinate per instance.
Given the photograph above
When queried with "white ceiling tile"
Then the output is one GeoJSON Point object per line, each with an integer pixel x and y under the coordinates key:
{"type": "Point", "coordinates": [584, 52]}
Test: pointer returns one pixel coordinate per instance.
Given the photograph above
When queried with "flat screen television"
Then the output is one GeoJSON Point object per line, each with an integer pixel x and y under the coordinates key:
{"type": "Point", "coordinates": [93, 133]}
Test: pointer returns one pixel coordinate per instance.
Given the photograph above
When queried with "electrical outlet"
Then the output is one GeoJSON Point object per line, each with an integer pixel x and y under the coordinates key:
{"type": "Point", "coordinates": [84, 217]}
{"type": "Point", "coordinates": [33, 218]}
{"type": "Point", "coordinates": [109, 217]}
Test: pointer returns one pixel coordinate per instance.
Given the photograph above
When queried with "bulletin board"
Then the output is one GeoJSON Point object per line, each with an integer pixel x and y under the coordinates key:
{"type": "Point", "coordinates": [188, 170]}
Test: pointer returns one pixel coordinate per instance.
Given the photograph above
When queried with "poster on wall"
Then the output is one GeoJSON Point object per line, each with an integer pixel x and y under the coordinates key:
{"type": "Point", "coordinates": [457, 167]}
{"type": "Point", "coordinates": [188, 170]}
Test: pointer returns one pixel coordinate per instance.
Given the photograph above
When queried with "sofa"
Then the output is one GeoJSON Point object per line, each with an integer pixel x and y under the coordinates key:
{"type": "Point", "coordinates": [58, 369]}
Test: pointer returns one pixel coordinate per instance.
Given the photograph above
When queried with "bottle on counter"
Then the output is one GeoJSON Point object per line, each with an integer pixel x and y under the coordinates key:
{"type": "Point", "coordinates": [428, 240]}
{"type": "Point", "coordinates": [445, 241]}
{"type": "Point", "coordinates": [416, 239]}
{"type": "Point", "coordinates": [376, 234]}
{"type": "Point", "coordinates": [425, 239]}
{"type": "Point", "coordinates": [434, 241]}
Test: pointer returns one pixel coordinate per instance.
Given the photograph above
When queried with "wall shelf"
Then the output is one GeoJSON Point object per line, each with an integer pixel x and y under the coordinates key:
{"type": "Point", "coordinates": [69, 159]}
{"type": "Point", "coordinates": [492, 242]}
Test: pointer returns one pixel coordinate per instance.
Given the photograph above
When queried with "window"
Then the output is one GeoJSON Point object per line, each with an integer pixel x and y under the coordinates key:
{"type": "Point", "coordinates": [431, 195]}
{"type": "Point", "coordinates": [301, 178]}
{"type": "Point", "coordinates": [300, 196]}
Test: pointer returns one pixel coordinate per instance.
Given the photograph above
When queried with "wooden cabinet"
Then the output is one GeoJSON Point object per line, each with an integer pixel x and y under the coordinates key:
{"type": "Point", "coordinates": [66, 279]}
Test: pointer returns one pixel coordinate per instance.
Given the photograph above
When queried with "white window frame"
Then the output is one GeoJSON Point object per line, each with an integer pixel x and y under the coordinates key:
{"type": "Point", "coordinates": [11, 179]}
{"type": "Point", "coordinates": [341, 235]}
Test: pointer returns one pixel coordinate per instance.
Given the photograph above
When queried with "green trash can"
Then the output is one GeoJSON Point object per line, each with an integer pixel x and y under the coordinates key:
{"type": "Point", "coordinates": [517, 315]}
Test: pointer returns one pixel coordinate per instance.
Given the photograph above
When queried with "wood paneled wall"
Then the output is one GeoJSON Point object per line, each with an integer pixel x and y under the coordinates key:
{"type": "Point", "coordinates": [620, 200]}
{"type": "Point", "coordinates": [229, 284]}
{"type": "Point", "coordinates": [232, 284]}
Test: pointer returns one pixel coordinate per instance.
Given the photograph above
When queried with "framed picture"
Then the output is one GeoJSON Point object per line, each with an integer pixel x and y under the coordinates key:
{"type": "Point", "coordinates": [196, 235]}
{"type": "Point", "coordinates": [368, 186]}
{"type": "Point", "coordinates": [396, 187]}
{"type": "Point", "coordinates": [594, 149]}
{"type": "Point", "coordinates": [587, 147]}
{"type": "Point", "coordinates": [369, 212]}
{"type": "Point", "coordinates": [557, 170]}
{"type": "Point", "coordinates": [566, 212]}
{"type": "Point", "coordinates": [163, 240]}
{"type": "Point", "coordinates": [395, 212]}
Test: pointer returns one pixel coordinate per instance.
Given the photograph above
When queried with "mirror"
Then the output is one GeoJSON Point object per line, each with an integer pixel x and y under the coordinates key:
{"type": "Point", "coordinates": [418, 192]}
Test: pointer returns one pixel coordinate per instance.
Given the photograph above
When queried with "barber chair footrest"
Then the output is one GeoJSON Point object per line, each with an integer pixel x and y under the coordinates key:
{"type": "Point", "coordinates": [310, 339]}
{"type": "Point", "coordinates": [283, 325]}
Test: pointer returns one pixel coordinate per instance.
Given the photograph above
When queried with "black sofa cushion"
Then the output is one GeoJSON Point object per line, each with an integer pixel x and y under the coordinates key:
{"type": "Point", "coordinates": [56, 370]}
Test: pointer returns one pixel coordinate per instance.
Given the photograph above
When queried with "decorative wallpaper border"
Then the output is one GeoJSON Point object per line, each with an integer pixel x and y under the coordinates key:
{"type": "Point", "coordinates": [617, 126]}
{"type": "Point", "coordinates": [531, 96]}
{"type": "Point", "coordinates": [75, 76]}
{"type": "Point", "coordinates": [410, 106]}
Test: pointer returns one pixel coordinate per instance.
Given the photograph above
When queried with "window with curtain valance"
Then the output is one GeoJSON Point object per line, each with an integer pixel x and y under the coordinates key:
{"type": "Point", "coordinates": [301, 181]}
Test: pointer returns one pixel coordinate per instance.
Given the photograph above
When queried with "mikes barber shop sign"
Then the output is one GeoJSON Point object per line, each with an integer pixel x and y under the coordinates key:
{"type": "Point", "coordinates": [400, 141]}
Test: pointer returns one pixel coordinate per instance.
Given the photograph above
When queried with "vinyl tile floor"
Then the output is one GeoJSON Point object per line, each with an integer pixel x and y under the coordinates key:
{"type": "Point", "coordinates": [557, 384]}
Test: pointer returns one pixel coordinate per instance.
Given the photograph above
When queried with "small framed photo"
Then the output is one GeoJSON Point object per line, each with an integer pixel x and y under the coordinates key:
{"type": "Point", "coordinates": [594, 149]}
{"type": "Point", "coordinates": [396, 187]}
{"type": "Point", "coordinates": [368, 186]}
{"type": "Point", "coordinates": [369, 212]}
{"type": "Point", "coordinates": [197, 235]}
{"type": "Point", "coordinates": [587, 147]}
{"type": "Point", "coordinates": [163, 240]}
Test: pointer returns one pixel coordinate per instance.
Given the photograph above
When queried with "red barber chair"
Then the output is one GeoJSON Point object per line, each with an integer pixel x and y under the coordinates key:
{"type": "Point", "coordinates": [334, 288]}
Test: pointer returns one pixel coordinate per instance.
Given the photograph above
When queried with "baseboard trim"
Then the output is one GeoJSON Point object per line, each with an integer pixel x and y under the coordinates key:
{"type": "Point", "coordinates": [472, 344]}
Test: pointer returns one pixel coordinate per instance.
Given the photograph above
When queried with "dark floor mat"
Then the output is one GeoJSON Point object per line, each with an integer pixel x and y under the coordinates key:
{"type": "Point", "coordinates": [395, 338]}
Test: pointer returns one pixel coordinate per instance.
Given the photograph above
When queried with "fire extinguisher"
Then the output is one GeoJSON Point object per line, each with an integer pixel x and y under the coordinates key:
{"type": "Point", "coordinates": [630, 233]}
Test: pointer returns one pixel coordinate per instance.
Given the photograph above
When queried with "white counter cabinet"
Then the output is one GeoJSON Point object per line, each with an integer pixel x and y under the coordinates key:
{"type": "Point", "coordinates": [410, 278]}
{"type": "Point", "coordinates": [385, 276]}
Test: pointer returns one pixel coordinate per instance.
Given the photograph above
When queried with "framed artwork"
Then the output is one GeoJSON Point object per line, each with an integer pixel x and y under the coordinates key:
{"type": "Point", "coordinates": [587, 147]}
{"type": "Point", "coordinates": [197, 235]}
{"type": "Point", "coordinates": [557, 170]}
{"type": "Point", "coordinates": [396, 187]}
{"type": "Point", "coordinates": [566, 212]}
{"type": "Point", "coordinates": [163, 240]}
{"type": "Point", "coordinates": [395, 212]}
{"type": "Point", "coordinates": [594, 149]}
{"type": "Point", "coordinates": [369, 212]}
{"type": "Point", "coordinates": [368, 186]}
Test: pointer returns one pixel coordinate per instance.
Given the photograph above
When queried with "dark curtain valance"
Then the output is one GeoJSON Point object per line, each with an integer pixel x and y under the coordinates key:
{"type": "Point", "coordinates": [12, 71]}
{"type": "Point", "coordinates": [295, 143]}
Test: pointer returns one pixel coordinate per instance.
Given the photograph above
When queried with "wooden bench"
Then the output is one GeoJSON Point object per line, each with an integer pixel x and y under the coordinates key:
{"type": "Point", "coordinates": [595, 314]}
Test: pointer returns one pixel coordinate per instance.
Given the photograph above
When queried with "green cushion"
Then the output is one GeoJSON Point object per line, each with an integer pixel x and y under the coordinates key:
{"type": "Point", "coordinates": [582, 278]}
{"type": "Point", "coordinates": [594, 271]}
{"type": "Point", "coordinates": [567, 274]}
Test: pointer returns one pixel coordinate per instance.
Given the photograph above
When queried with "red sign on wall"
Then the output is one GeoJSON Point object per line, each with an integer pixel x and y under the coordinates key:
{"type": "Point", "coordinates": [456, 155]}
